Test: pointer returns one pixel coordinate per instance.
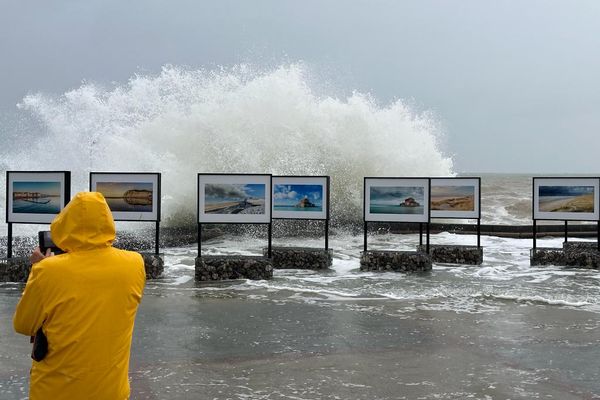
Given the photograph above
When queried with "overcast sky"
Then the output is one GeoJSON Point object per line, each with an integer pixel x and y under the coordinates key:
{"type": "Point", "coordinates": [516, 84]}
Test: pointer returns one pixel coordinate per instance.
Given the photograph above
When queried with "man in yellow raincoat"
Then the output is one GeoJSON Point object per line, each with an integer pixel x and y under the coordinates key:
{"type": "Point", "coordinates": [85, 301]}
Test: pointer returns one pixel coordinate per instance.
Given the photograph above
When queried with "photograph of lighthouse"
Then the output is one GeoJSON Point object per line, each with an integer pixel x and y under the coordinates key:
{"type": "Point", "coordinates": [35, 197]}
{"type": "Point", "coordinates": [233, 198]}
{"type": "Point", "coordinates": [566, 199]}
{"type": "Point", "coordinates": [300, 197]}
{"type": "Point", "coordinates": [130, 196]}
{"type": "Point", "coordinates": [397, 199]}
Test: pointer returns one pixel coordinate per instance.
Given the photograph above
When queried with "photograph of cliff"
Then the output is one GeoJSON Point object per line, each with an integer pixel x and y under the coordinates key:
{"type": "Point", "coordinates": [452, 198]}
{"type": "Point", "coordinates": [127, 196]}
{"type": "Point", "coordinates": [396, 199]}
{"type": "Point", "coordinates": [571, 199]}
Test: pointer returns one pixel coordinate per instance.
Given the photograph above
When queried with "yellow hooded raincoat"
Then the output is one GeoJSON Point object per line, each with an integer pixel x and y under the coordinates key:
{"type": "Point", "coordinates": [85, 301]}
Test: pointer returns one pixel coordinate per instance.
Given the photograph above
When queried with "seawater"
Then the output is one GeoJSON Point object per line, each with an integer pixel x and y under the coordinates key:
{"type": "Point", "coordinates": [505, 274]}
{"type": "Point", "coordinates": [387, 209]}
{"type": "Point", "coordinates": [122, 205]}
{"type": "Point", "coordinates": [44, 206]}
{"type": "Point", "coordinates": [298, 209]}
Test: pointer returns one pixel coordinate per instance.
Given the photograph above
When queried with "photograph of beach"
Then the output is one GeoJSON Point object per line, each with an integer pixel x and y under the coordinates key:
{"type": "Point", "coordinates": [127, 196]}
{"type": "Point", "coordinates": [396, 200]}
{"type": "Point", "coordinates": [570, 199]}
{"type": "Point", "coordinates": [298, 198]}
{"type": "Point", "coordinates": [36, 197]}
{"type": "Point", "coordinates": [234, 198]}
{"type": "Point", "coordinates": [453, 198]}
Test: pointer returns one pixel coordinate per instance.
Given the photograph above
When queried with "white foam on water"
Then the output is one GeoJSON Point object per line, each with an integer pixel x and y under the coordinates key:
{"type": "Point", "coordinates": [505, 275]}
{"type": "Point", "coordinates": [276, 286]}
{"type": "Point", "coordinates": [182, 279]}
{"type": "Point", "coordinates": [539, 299]}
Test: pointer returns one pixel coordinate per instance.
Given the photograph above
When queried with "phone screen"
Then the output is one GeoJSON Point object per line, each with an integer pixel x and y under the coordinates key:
{"type": "Point", "coordinates": [47, 243]}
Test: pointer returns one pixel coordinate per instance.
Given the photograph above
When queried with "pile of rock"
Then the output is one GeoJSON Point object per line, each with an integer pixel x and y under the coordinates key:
{"type": "Point", "coordinates": [17, 269]}
{"type": "Point", "coordinates": [300, 257]}
{"type": "Point", "coordinates": [572, 254]}
{"type": "Point", "coordinates": [217, 268]}
{"type": "Point", "coordinates": [398, 261]}
{"type": "Point", "coordinates": [154, 264]}
{"type": "Point", "coordinates": [580, 246]}
{"type": "Point", "coordinates": [582, 254]}
{"type": "Point", "coordinates": [547, 256]}
{"type": "Point", "coordinates": [14, 269]}
{"type": "Point", "coordinates": [450, 254]}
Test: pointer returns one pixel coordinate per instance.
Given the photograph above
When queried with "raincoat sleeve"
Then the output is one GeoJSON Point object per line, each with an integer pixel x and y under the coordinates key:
{"type": "Point", "coordinates": [30, 313]}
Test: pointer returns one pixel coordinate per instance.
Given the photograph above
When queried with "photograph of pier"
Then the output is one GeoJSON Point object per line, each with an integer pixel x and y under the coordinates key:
{"type": "Point", "coordinates": [570, 199]}
{"type": "Point", "coordinates": [36, 197]}
{"type": "Point", "coordinates": [127, 196]}
{"type": "Point", "coordinates": [298, 198]}
{"type": "Point", "coordinates": [452, 198]}
{"type": "Point", "coordinates": [234, 198]}
{"type": "Point", "coordinates": [396, 199]}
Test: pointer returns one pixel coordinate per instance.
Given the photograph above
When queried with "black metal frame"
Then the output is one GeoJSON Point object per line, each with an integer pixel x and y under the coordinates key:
{"type": "Point", "coordinates": [327, 212]}
{"type": "Point", "coordinates": [479, 204]}
{"type": "Point", "coordinates": [67, 198]}
{"type": "Point", "coordinates": [534, 228]}
{"type": "Point", "coordinates": [158, 198]}
{"type": "Point", "coordinates": [365, 247]}
{"type": "Point", "coordinates": [270, 223]}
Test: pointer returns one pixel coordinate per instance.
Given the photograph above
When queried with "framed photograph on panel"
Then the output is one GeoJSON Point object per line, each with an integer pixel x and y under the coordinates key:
{"type": "Point", "coordinates": [36, 197]}
{"type": "Point", "coordinates": [130, 196]}
{"type": "Point", "coordinates": [566, 199]}
{"type": "Point", "coordinates": [396, 200]}
{"type": "Point", "coordinates": [455, 198]}
{"type": "Point", "coordinates": [234, 198]}
{"type": "Point", "coordinates": [300, 197]}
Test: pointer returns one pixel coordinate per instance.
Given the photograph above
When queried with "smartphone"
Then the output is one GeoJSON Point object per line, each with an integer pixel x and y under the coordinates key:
{"type": "Point", "coordinates": [47, 243]}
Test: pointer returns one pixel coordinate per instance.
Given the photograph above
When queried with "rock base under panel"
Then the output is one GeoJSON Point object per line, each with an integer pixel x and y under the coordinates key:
{"type": "Point", "coordinates": [300, 257]}
{"type": "Point", "coordinates": [398, 261]}
{"type": "Point", "coordinates": [546, 256]}
{"type": "Point", "coordinates": [576, 255]}
{"type": "Point", "coordinates": [17, 269]}
{"type": "Point", "coordinates": [14, 269]}
{"type": "Point", "coordinates": [218, 268]}
{"type": "Point", "coordinates": [580, 246]}
{"type": "Point", "coordinates": [154, 264]}
{"type": "Point", "coordinates": [450, 254]}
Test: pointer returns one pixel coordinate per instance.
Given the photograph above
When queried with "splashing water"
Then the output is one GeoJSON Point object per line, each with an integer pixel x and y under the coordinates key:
{"type": "Point", "coordinates": [181, 122]}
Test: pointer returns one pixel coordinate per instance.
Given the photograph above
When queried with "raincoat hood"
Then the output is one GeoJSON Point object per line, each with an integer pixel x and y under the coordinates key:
{"type": "Point", "coordinates": [86, 223]}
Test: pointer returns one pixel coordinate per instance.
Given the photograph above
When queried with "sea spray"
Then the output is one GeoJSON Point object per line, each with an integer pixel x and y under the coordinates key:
{"type": "Point", "coordinates": [239, 119]}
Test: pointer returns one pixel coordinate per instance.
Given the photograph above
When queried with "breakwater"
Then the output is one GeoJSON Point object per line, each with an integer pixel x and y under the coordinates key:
{"type": "Point", "coordinates": [143, 240]}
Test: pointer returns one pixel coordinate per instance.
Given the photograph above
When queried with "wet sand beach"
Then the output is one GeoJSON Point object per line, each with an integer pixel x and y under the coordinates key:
{"type": "Point", "coordinates": [583, 203]}
{"type": "Point", "coordinates": [465, 203]}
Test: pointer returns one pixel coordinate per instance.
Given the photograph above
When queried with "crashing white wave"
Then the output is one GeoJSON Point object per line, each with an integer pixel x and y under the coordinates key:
{"type": "Point", "coordinates": [184, 121]}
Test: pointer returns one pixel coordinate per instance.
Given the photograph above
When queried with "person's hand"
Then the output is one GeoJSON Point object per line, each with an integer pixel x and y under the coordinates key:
{"type": "Point", "coordinates": [37, 255]}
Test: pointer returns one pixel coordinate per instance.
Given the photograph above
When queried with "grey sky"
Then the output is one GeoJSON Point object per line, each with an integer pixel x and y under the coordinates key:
{"type": "Point", "coordinates": [516, 84]}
